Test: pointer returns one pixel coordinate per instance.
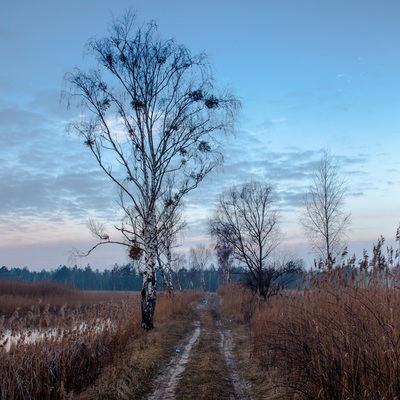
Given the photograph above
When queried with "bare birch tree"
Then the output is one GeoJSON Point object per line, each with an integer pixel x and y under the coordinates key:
{"type": "Point", "coordinates": [324, 219]}
{"type": "Point", "coordinates": [199, 258]}
{"type": "Point", "coordinates": [224, 251]}
{"type": "Point", "coordinates": [245, 218]}
{"type": "Point", "coordinates": [151, 116]}
{"type": "Point", "coordinates": [171, 223]}
{"type": "Point", "coordinates": [178, 267]}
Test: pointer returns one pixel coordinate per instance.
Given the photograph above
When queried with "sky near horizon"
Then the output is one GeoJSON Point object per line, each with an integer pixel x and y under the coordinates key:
{"type": "Point", "coordinates": [311, 74]}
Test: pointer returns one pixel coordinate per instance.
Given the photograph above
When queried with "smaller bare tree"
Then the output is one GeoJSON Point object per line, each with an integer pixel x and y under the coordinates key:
{"type": "Point", "coordinates": [178, 267]}
{"type": "Point", "coordinates": [171, 223]}
{"type": "Point", "coordinates": [224, 250]}
{"type": "Point", "coordinates": [200, 257]}
{"type": "Point", "coordinates": [246, 219]}
{"type": "Point", "coordinates": [324, 218]}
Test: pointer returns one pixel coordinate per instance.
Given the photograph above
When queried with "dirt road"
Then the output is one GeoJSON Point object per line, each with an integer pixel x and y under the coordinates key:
{"type": "Point", "coordinates": [204, 365]}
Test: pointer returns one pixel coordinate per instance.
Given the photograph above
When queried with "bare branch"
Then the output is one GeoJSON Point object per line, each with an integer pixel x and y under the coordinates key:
{"type": "Point", "coordinates": [76, 253]}
{"type": "Point", "coordinates": [324, 219]}
{"type": "Point", "coordinates": [98, 230]}
{"type": "Point", "coordinates": [246, 222]}
{"type": "Point", "coordinates": [153, 118]}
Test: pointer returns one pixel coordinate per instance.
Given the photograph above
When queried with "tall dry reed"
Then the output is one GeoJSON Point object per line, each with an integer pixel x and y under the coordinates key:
{"type": "Point", "coordinates": [337, 339]}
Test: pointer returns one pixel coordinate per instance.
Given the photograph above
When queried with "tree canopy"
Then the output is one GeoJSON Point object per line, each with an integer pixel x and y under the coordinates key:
{"type": "Point", "coordinates": [152, 117]}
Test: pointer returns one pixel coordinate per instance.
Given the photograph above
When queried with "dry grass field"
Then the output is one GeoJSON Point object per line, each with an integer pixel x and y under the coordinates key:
{"type": "Point", "coordinates": [336, 339]}
{"type": "Point", "coordinates": [61, 343]}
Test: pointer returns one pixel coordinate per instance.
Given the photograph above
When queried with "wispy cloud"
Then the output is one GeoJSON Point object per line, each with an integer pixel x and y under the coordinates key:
{"type": "Point", "coordinates": [44, 172]}
{"type": "Point", "coordinates": [49, 179]}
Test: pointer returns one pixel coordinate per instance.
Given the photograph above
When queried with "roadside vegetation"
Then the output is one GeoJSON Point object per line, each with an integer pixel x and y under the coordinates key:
{"type": "Point", "coordinates": [335, 337]}
{"type": "Point", "coordinates": [86, 345]}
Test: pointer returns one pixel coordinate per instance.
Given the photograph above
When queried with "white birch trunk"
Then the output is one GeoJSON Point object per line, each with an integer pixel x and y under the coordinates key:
{"type": "Point", "coordinates": [149, 287]}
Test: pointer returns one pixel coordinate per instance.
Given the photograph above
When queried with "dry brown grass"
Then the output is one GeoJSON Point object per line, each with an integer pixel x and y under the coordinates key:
{"type": "Point", "coordinates": [21, 296]}
{"type": "Point", "coordinates": [90, 350]}
{"type": "Point", "coordinates": [237, 302]}
{"type": "Point", "coordinates": [338, 339]}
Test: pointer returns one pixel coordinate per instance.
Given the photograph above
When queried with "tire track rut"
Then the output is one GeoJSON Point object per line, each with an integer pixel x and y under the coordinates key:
{"type": "Point", "coordinates": [167, 380]}
{"type": "Point", "coordinates": [240, 386]}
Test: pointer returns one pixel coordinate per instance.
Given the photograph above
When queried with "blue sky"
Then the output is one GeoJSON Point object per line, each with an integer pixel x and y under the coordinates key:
{"type": "Point", "coordinates": [310, 74]}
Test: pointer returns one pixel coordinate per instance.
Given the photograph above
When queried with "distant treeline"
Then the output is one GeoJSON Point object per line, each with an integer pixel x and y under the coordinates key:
{"type": "Point", "coordinates": [125, 277]}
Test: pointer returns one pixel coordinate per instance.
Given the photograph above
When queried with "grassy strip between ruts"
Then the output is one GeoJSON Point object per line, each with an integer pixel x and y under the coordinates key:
{"type": "Point", "coordinates": [206, 375]}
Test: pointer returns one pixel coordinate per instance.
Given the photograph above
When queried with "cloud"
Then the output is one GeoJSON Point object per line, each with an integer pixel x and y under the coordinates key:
{"type": "Point", "coordinates": [44, 172]}
{"type": "Point", "coordinates": [68, 195]}
{"type": "Point", "coordinates": [49, 102]}
{"type": "Point", "coordinates": [14, 119]}
{"type": "Point", "coordinates": [289, 171]}
{"type": "Point", "coordinates": [50, 182]}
